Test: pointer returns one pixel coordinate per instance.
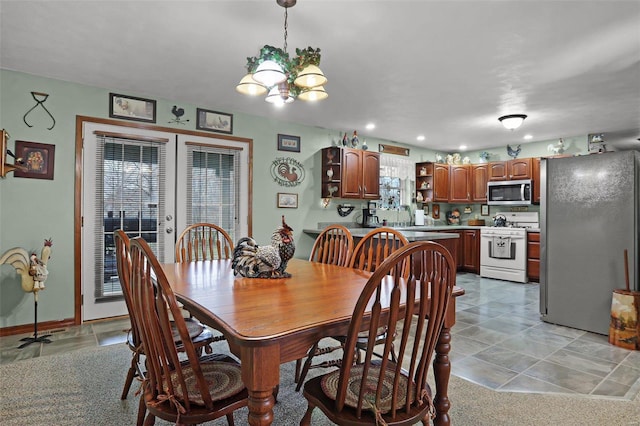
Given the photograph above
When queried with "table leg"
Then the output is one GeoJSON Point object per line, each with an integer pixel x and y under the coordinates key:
{"type": "Point", "coordinates": [260, 374]}
{"type": "Point", "coordinates": [441, 372]}
{"type": "Point", "coordinates": [442, 367]}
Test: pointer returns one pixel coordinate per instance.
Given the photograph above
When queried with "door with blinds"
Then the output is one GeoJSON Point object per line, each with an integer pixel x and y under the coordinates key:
{"type": "Point", "coordinates": [152, 184]}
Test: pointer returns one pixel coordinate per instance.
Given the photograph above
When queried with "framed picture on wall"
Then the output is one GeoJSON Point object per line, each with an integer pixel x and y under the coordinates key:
{"type": "Point", "coordinates": [130, 108]}
{"type": "Point", "coordinates": [37, 160]}
{"type": "Point", "coordinates": [287, 201]}
{"type": "Point", "coordinates": [484, 210]}
{"type": "Point", "coordinates": [288, 143]}
{"type": "Point", "coordinates": [214, 121]}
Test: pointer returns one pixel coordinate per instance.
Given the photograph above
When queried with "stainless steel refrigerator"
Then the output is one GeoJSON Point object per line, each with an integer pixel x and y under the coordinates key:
{"type": "Point", "coordinates": [589, 214]}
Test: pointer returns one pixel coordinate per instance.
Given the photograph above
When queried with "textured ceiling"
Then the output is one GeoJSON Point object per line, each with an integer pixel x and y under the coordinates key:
{"type": "Point", "coordinates": [444, 69]}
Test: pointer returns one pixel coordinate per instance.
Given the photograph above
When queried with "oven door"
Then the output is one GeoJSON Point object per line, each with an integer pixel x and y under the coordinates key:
{"type": "Point", "coordinates": [503, 249]}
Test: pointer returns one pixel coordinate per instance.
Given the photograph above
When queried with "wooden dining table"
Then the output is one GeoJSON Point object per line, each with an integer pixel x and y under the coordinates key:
{"type": "Point", "coordinates": [268, 322]}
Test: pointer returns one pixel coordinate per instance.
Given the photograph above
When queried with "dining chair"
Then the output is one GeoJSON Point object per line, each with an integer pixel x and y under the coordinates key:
{"type": "Point", "coordinates": [333, 246]}
{"type": "Point", "coordinates": [193, 391]}
{"type": "Point", "coordinates": [370, 251]}
{"type": "Point", "coordinates": [203, 241]}
{"type": "Point", "coordinates": [200, 336]}
{"type": "Point", "coordinates": [384, 391]}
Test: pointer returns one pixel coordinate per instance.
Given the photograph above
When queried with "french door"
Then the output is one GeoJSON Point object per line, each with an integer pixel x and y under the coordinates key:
{"type": "Point", "coordinates": [152, 184]}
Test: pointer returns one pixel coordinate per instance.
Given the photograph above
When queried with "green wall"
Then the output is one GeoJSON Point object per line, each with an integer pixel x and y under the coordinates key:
{"type": "Point", "coordinates": [34, 209]}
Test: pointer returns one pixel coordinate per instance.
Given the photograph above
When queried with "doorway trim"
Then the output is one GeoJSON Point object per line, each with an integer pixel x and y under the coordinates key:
{"type": "Point", "coordinates": [77, 227]}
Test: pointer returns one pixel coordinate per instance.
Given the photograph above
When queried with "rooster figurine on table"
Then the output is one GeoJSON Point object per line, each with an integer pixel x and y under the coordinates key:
{"type": "Point", "coordinates": [269, 261]}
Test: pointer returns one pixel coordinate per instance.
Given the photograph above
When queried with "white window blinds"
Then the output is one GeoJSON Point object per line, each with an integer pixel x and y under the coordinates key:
{"type": "Point", "coordinates": [213, 180]}
{"type": "Point", "coordinates": [130, 179]}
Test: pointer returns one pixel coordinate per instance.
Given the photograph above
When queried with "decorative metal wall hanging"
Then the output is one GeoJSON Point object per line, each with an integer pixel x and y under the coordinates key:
{"type": "Point", "coordinates": [178, 113]}
{"type": "Point", "coordinates": [40, 98]}
{"type": "Point", "coordinates": [287, 171]}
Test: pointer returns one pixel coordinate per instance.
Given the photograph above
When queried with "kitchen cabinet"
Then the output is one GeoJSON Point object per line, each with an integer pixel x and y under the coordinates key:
{"type": "Point", "coordinates": [350, 173]}
{"type": "Point", "coordinates": [457, 244]}
{"type": "Point", "coordinates": [516, 169]}
{"type": "Point", "coordinates": [479, 179]}
{"type": "Point", "coordinates": [533, 256]}
{"type": "Point", "coordinates": [468, 183]}
{"type": "Point", "coordinates": [432, 181]}
{"type": "Point", "coordinates": [441, 182]}
{"type": "Point", "coordinates": [470, 242]}
{"type": "Point", "coordinates": [459, 183]}
{"type": "Point", "coordinates": [535, 177]}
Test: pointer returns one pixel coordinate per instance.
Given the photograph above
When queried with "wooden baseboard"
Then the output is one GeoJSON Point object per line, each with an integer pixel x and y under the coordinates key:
{"type": "Point", "coordinates": [42, 326]}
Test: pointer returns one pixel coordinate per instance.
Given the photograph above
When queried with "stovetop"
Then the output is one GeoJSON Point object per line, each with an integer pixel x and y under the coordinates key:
{"type": "Point", "coordinates": [527, 220]}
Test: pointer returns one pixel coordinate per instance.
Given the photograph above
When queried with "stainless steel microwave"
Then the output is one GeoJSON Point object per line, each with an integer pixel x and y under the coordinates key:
{"type": "Point", "coordinates": [509, 192]}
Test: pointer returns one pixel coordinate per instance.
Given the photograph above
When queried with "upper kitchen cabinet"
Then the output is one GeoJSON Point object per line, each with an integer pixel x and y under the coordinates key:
{"type": "Point", "coordinates": [519, 168]}
{"type": "Point", "coordinates": [460, 183]}
{"type": "Point", "coordinates": [432, 182]}
{"type": "Point", "coordinates": [468, 183]}
{"type": "Point", "coordinates": [441, 182]}
{"type": "Point", "coordinates": [535, 177]}
{"type": "Point", "coordinates": [479, 179]}
{"type": "Point", "coordinates": [350, 173]}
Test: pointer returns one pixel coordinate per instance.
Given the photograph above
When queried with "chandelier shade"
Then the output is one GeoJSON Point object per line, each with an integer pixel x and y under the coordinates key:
{"type": "Point", "coordinates": [512, 121]}
{"type": "Point", "coordinates": [311, 76]}
{"type": "Point", "coordinates": [283, 78]}
{"type": "Point", "coordinates": [314, 94]}
{"type": "Point", "coordinates": [248, 86]}
{"type": "Point", "coordinates": [279, 95]}
{"type": "Point", "coordinates": [269, 73]}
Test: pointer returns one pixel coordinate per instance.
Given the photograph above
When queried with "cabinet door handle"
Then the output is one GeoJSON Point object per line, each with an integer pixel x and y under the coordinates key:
{"type": "Point", "coordinates": [359, 189]}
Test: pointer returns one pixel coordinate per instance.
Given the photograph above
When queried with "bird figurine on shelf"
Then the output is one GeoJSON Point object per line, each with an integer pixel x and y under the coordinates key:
{"type": "Point", "coordinates": [513, 153]}
{"type": "Point", "coordinates": [33, 271]}
{"type": "Point", "coordinates": [269, 261]}
{"type": "Point", "coordinates": [556, 149]}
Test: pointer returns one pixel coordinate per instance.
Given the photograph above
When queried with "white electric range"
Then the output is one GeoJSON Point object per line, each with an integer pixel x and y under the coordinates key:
{"type": "Point", "coordinates": [503, 249]}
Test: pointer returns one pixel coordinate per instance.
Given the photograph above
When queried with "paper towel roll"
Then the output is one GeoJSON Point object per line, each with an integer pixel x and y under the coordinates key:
{"type": "Point", "coordinates": [419, 218]}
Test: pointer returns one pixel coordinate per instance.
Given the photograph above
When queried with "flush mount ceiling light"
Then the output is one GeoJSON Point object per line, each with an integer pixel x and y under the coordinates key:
{"type": "Point", "coordinates": [513, 121]}
{"type": "Point", "coordinates": [283, 79]}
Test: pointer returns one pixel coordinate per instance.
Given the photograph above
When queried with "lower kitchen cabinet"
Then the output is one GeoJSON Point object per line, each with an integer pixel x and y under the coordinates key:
{"type": "Point", "coordinates": [453, 245]}
{"type": "Point", "coordinates": [471, 250]}
{"type": "Point", "coordinates": [533, 256]}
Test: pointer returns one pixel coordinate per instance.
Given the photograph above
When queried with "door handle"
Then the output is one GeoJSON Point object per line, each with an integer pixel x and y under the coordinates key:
{"type": "Point", "coordinates": [169, 230]}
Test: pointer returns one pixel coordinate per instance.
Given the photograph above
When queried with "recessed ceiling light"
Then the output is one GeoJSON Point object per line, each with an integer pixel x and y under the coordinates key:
{"type": "Point", "coordinates": [463, 147]}
{"type": "Point", "coordinates": [528, 137]}
{"type": "Point", "coordinates": [370, 126]}
{"type": "Point", "coordinates": [420, 137]}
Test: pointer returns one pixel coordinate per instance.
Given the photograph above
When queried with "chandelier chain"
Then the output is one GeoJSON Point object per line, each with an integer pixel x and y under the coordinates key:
{"type": "Point", "coordinates": [286, 15]}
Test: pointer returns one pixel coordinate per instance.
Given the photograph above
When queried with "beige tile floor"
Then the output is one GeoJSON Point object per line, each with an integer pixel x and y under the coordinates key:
{"type": "Point", "coordinates": [498, 341]}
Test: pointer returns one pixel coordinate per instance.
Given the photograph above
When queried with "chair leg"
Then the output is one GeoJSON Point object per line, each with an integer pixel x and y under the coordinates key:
{"type": "Point", "coordinates": [306, 420]}
{"type": "Point", "coordinates": [307, 365]}
{"type": "Point", "coordinates": [230, 419]}
{"type": "Point", "coordinates": [142, 410]}
{"type": "Point", "coordinates": [296, 377]}
{"type": "Point", "coordinates": [127, 383]}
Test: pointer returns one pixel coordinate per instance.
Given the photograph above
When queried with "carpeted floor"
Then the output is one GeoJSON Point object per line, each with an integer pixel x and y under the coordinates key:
{"type": "Point", "coordinates": [83, 388]}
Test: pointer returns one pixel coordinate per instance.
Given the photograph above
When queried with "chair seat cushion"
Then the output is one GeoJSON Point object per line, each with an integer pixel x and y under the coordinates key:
{"type": "Point", "coordinates": [194, 328]}
{"type": "Point", "coordinates": [329, 385]}
{"type": "Point", "coordinates": [224, 379]}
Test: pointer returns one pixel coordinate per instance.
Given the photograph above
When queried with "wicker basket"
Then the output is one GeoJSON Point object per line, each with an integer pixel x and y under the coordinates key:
{"type": "Point", "coordinates": [476, 222]}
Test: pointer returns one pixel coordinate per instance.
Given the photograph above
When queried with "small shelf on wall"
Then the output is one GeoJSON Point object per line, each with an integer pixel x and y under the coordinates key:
{"type": "Point", "coordinates": [4, 166]}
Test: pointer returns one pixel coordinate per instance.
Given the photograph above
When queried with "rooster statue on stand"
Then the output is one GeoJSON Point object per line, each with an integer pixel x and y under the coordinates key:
{"type": "Point", "coordinates": [253, 261]}
{"type": "Point", "coordinates": [33, 273]}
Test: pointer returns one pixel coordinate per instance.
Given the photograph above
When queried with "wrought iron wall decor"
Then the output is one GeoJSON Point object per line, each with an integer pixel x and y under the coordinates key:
{"type": "Point", "coordinates": [287, 171]}
{"type": "Point", "coordinates": [40, 98]}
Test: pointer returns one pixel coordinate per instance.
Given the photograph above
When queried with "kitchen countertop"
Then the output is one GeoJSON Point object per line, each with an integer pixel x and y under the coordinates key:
{"type": "Point", "coordinates": [410, 233]}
